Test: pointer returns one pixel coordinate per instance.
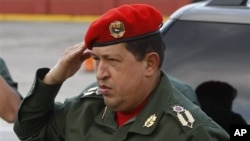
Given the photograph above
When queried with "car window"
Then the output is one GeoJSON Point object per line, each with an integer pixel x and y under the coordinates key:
{"type": "Point", "coordinates": [202, 51]}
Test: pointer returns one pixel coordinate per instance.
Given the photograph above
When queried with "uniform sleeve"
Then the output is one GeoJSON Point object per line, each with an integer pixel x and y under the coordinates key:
{"type": "Point", "coordinates": [4, 72]}
{"type": "Point", "coordinates": [35, 120]}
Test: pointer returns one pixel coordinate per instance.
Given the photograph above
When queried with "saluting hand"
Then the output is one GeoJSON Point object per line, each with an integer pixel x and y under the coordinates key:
{"type": "Point", "coordinates": [68, 64]}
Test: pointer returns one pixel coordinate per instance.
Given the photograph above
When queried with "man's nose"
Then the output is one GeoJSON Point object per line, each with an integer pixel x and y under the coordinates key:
{"type": "Point", "coordinates": [102, 71]}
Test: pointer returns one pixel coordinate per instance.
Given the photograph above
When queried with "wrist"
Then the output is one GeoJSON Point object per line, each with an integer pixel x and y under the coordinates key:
{"type": "Point", "coordinates": [51, 79]}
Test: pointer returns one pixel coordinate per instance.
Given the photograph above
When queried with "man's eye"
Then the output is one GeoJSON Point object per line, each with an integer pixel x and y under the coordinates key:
{"type": "Point", "coordinates": [114, 60]}
{"type": "Point", "coordinates": [96, 58]}
{"type": "Point", "coordinates": [111, 59]}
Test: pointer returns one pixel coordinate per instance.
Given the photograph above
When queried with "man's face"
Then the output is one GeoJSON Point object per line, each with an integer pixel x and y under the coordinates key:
{"type": "Point", "coordinates": [120, 77]}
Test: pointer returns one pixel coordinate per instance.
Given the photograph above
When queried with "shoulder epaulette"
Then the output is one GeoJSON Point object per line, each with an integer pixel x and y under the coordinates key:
{"type": "Point", "coordinates": [90, 91]}
{"type": "Point", "coordinates": [184, 116]}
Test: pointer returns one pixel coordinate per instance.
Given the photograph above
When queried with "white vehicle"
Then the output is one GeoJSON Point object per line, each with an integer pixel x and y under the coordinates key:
{"type": "Point", "coordinates": [210, 40]}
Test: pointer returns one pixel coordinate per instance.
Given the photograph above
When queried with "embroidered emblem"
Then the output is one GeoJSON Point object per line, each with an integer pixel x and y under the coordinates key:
{"type": "Point", "coordinates": [150, 121]}
{"type": "Point", "coordinates": [188, 120]}
{"type": "Point", "coordinates": [92, 91]}
{"type": "Point", "coordinates": [117, 29]}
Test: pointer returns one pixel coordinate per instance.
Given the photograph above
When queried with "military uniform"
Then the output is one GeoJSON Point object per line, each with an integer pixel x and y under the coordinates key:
{"type": "Point", "coordinates": [168, 115]}
{"type": "Point", "coordinates": [4, 72]}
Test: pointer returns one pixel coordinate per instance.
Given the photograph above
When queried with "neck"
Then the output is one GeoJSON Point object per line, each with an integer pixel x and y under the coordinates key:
{"type": "Point", "coordinates": [123, 117]}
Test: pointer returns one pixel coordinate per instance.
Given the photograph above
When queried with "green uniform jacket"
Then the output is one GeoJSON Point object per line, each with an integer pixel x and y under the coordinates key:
{"type": "Point", "coordinates": [168, 116]}
{"type": "Point", "coordinates": [4, 72]}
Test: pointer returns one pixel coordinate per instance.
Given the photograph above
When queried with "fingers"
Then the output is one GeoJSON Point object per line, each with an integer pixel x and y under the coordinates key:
{"type": "Point", "coordinates": [68, 64]}
{"type": "Point", "coordinates": [74, 53]}
{"type": "Point", "coordinates": [86, 53]}
{"type": "Point", "coordinates": [76, 49]}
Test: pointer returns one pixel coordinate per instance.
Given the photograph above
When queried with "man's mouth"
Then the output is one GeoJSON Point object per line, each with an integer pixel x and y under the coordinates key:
{"type": "Point", "coordinates": [103, 89]}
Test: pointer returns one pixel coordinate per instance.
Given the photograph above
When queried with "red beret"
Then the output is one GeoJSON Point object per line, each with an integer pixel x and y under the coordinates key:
{"type": "Point", "coordinates": [124, 23]}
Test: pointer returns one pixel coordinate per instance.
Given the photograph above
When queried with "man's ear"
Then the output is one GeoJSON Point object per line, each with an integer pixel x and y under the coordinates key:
{"type": "Point", "coordinates": [152, 61]}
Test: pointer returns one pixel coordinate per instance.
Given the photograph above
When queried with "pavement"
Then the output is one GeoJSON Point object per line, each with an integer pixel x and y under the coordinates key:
{"type": "Point", "coordinates": [27, 46]}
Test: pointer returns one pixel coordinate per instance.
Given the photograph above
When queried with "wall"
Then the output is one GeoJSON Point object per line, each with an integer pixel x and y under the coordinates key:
{"type": "Point", "coordinates": [80, 7]}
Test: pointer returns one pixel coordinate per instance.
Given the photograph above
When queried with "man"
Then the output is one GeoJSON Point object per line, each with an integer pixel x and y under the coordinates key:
{"type": "Point", "coordinates": [134, 100]}
{"type": "Point", "coordinates": [216, 100]}
{"type": "Point", "coordinates": [9, 97]}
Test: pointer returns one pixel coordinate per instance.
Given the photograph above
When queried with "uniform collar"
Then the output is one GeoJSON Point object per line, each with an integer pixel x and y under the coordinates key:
{"type": "Point", "coordinates": [147, 120]}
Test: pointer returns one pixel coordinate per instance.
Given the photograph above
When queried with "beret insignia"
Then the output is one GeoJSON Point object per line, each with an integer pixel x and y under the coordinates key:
{"type": "Point", "coordinates": [117, 29]}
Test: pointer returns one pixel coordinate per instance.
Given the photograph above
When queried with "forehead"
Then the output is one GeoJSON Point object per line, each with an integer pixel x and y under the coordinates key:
{"type": "Point", "coordinates": [115, 49]}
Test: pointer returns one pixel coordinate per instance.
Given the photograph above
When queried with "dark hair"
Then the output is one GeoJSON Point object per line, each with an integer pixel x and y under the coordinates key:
{"type": "Point", "coordinates": [143, 46]}
{"type": "Point", "coordinates": [216, 92]}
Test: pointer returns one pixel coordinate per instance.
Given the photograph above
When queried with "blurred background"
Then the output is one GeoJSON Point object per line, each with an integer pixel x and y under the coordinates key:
{"type": "Point", "coordinates": [80, 7]}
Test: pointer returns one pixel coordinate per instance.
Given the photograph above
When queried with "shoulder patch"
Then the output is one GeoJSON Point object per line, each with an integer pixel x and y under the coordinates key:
{"type": "Point", "coordinates": [184, 116]}
{"type": "Point", "coordinates": [90, 91]}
